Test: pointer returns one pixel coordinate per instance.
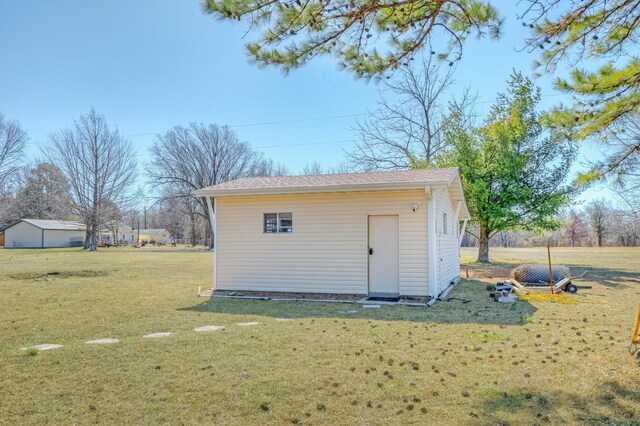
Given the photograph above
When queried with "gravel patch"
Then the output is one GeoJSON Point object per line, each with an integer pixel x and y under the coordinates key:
{"type": "Point", "coordinates": [102, 341]}
{"type": "Point", "coordinates": [209, 328]}
{"type": "Point", "coordinates": [154, 335]}
{"type": "Point", "coordinates": [43, 347]}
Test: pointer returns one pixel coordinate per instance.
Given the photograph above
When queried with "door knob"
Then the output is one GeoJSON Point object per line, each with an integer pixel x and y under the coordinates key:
{"type": "Point", "coordinates": [370, 250]}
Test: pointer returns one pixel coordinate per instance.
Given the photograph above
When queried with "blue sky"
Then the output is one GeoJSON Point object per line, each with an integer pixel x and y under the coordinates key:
{"type": "Point", "coordinates": [149, 65]}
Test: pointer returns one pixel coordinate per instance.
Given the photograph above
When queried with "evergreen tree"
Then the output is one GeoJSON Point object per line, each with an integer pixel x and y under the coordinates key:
{"type": "Point", "coordinates": [295, 31]}
{"type": "Point", "coordinates": [45, 195]}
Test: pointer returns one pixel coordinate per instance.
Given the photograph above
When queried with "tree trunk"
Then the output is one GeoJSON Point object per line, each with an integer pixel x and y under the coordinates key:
{"type": "Point", "coordinates": [87, 238]}
{"type": "Point", "coordinates": [94, 236]}
{"type": "Point", "coordinates": [193, 229]}
{"type": "Point", "coordinates": [483, 251]}
{"type": "Point", "coordinates": [599, 240]}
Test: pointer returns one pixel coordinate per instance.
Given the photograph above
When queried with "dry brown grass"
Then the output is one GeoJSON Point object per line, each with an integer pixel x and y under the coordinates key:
{"type": "Point", "coordinates": [474, 363]}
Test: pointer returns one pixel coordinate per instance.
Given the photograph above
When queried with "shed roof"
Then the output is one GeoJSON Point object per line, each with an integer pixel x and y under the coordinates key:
{"type": "Point", "coordinates": [59, 225]}
{"type": "Point", "coordinates": [344, 182]}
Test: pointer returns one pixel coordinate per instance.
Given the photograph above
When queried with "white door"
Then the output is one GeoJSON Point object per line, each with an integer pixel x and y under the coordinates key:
{"type": "Point", "coordinates": [384, 268]}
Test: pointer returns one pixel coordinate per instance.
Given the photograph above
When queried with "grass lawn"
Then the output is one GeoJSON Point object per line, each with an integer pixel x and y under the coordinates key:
{"type": "Point", "coordinates": [477, 363]}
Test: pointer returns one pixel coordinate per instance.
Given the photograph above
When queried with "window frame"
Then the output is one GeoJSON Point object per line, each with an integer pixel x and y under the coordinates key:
{"type": "Point", "coordinates": [278, 223]}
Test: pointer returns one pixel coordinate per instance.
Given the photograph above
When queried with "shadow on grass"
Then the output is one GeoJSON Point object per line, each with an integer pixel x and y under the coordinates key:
{"type": "Point", "coordinates": [611, 403]}
{"type": "Point", "coordinates": [480, 310]}
{"type": "Point", "coordinates": [608, 277]}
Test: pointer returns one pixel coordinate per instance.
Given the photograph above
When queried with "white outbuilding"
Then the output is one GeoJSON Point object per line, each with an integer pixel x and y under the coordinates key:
{"type": "Point", "coordinates": [38, 233]}
{"type": "Point", "coordinates": [383, 234]}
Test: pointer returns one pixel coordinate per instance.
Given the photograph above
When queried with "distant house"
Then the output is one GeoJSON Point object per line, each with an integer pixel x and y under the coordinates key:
{"type": "Point", "coordinates": [38, 233]}
{"type": "Point", "coordinates": [123, 234]}
{"type": "Point", "coordinates": [384, 234]}
{"type": "Point", "coordinates": [158, 235]}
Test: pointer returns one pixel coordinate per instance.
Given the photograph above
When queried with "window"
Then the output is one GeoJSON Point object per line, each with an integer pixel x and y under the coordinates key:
{"type": "Point", "coordinates": [444, 224]}
{"type": "Point", "coordinates": [278, 223]}
{"type": "Point", "coordinates": [285, 222]}
{"type": "Point", "coordinates": [270, 223]}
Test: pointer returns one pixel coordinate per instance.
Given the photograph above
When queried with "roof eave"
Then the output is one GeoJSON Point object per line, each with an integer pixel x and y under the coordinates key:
{"type": "Point", "coordinates": [402, 186]}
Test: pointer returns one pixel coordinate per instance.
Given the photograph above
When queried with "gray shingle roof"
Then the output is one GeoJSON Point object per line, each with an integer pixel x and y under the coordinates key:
{"type": "Point", "coordinates": [312, 183]}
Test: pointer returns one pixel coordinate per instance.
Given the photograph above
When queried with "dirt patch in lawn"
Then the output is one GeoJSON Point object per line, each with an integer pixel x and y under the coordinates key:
{"type": "Point", "coordinates": [58, 274]}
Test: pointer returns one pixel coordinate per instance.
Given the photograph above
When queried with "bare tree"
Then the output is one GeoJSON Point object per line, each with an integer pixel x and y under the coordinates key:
{"type": "Point", "coordinates": [100, 165]}
{"type": "Point", "coordinates": [44, 195]}
{"type": "Point", "coordinates": [622, 159]}
{"type": "Point", "coordinates": [599, 212]}
{"type": "Point", "coordinates": [625, 228]}
{"type": "Point", "coordinates": [315, 168]}
{"type": "Point", "coordinates": [406, 134]}
{"type": "Point", "coordinates": [312, 168]}
{"type": "Point", "coordinates": [575, 228]}
{"type": "Point", "coordinates": [188, 158]}
{"type": "Point", "coordinates": [12, 143]}
{"type": "Point", "coordinates": [268, 167]}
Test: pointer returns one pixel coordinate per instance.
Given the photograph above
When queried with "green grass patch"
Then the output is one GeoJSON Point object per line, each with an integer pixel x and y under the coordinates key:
{"type": "Point", "coordinates": [31, 351]}
{"type": "Point", "coordinates": [479, 362]}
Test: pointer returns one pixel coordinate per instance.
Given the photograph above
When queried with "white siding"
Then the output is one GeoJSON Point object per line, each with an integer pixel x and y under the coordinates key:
{"type": "Point", "coordinates": [448, 246]}
{"type": "Point", "coordinates": [63, 238]}
{"type": "Point", "coordinates": [327, 251]}
{"type": "Point", "coordinates": [23, 235]}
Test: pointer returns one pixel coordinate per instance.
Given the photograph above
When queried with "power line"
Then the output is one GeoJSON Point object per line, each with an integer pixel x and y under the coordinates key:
{"type": "Point", "coordinates": [289, 145]}
{"type": "Point", "coordinates": [270, 123]}
{"type": "Point", "coordinates": [300, 120]}
{"type": "Point", "coordinates": [304, 144]}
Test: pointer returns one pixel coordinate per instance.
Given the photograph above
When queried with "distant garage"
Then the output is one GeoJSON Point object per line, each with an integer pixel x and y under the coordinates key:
{"type": "Point", "coordinates": [38, 233]}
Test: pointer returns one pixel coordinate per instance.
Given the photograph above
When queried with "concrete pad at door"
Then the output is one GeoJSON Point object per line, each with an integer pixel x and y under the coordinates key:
{"type": "Point", "coordinates": [43, 347]}
{"type": "Point", "coordinates": [245, 324]}
{"type": "Point", "coordinates": [209, 328]}
{"type": "Point", "coordinates": [102, 341]}
{"type": "Point", "coordinates": [154, 335]}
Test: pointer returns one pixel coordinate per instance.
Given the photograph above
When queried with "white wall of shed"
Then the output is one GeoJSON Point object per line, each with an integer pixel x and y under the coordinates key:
{"type": "Point", "coordinates": [23, 235]}
{"type": "Point", "coordinates": [327, 251]}
{"type": "Point", "coordinates": [63, 238]}
{"type": "Point", "coordinates": [448, 246]}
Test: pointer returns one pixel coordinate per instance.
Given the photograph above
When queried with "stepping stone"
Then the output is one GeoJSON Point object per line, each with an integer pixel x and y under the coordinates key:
{"type": "Point", "coordinates": [102, 341]}
{"type": "Point", "coordinates": [43, 347]}
{"type": "Point", "coordinates": [285, 319]}
{"type": "Point", "coordinates": [245, 324]}
{"type": "Point", "coordinates": [371, 306]}
{"type": "Point", "coordinates": [154, 335]}
{"type": "Point", "coordinates": [209, 328]}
